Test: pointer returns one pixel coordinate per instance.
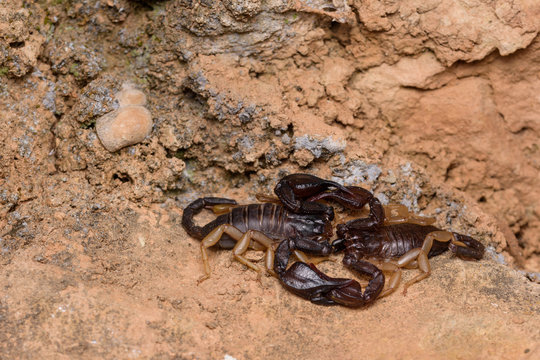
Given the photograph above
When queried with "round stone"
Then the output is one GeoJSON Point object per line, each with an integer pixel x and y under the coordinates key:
{"type": "Point", "coordinates": [126, 126]}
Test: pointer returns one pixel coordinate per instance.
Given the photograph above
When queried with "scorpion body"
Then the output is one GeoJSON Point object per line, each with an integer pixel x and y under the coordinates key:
{"type": "Point", "coordinates": [399, 245]}
{"type": "Point", "coordinates": [256, 226]}
{"type": "Point", "coordinates": [299, 221]}
{"type": "Point", "coordinates": [392, 241]}
{"type": "Point", "coordinates": [271, 219]}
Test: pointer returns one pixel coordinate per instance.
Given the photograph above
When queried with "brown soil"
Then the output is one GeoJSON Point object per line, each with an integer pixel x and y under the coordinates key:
{"type": "Point", "coordinates": [431, 104]}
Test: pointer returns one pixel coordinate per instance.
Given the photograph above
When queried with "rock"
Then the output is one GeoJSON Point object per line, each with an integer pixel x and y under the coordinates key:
{"type": "Point", "coordinates": [123, 127]}
{"type": "Point", "coordinates": [129, 124]}
{"type": "Point", "coordinates": [130, 96]}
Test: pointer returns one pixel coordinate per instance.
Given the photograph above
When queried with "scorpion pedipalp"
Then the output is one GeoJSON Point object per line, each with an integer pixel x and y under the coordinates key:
{"type": "Point", "coordinates": [306, 281]}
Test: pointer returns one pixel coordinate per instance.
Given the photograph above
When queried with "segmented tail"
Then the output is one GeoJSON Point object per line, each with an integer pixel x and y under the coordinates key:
{"type": "Point", "coordinates": [474, 249]}
{"type": "Point", "coordinates": [196, 207]}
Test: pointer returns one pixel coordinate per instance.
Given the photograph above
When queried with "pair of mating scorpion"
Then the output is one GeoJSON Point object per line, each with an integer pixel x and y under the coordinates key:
{"type": "Point", "coordinates": [299, 222]}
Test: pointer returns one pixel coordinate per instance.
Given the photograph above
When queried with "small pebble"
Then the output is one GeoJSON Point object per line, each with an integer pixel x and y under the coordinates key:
{"type": "Point", "coordinates": [129, 124]}
{"type": "Point", "coordinates": [130, 96]}
{"type": "Point", "coordinates": [123, 127]}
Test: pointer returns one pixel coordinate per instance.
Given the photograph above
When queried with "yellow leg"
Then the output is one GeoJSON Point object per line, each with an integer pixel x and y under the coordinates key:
{"type": "Point", "coordinates": [422, 257]}
{"type": "Point", "coordinates": [269, 262]}
{"type": "Point", "coordinates": [267, 198]}
{"type": "Point", "coordinates": [425, 270]}
{"type": "Point", "coordinates": [414, 259]}
{"type": "Point", "coordinates": [212, 239]}
{"type": "Point", "coordinates": [394, 280]}
{"type": "Point", "coordinates": [243, 243]}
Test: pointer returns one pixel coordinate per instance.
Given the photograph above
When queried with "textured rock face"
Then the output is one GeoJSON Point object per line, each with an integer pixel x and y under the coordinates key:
{"type": "Point", "coordinates": [19, 41]}
{"type": "Point", "coordinates": [432, 104]}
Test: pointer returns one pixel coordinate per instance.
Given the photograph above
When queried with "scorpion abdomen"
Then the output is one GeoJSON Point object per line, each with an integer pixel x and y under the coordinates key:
{"type": "Point", "coordinates": [266, 218]}
{"type": "Point", "coordinates": [402, 238]}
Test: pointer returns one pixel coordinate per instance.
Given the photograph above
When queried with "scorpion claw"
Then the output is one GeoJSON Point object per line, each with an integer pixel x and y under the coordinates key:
{"type": "Point", "coordinates": [351, 197]}
{"type": "Point", "coordinates": [299, 193]}
{"type": "Point", "coordinates": [310, 283]}
{"type": "Point", "coordinates": [374, 219]}
{"type": "Point", "coordinates": [350, 295]}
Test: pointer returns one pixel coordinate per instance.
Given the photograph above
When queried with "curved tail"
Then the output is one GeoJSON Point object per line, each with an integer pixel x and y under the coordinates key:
{"type": "Point", "coordinates": [196, 207]}
{"type": "Point", "coordinates": [474, 249]}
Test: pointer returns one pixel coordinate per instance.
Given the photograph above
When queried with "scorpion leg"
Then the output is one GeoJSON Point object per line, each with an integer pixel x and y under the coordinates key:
{"type": "Point", "coordinates": [415, 258]}
{"type": "Point", "coordinates": [243, 242]}
{"type": "Point", "coordinates": [421, 257]}
{"type": "Point", "coordinates": [461, 245]}
{"type": "Point", "coordinates": [395, 278]}
{"type": "Point", "coordinates": [265, 198]}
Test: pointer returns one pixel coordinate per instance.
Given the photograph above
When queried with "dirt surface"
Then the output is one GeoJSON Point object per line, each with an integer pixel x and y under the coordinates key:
{"type": "Point", "coordinates": [431, 104]}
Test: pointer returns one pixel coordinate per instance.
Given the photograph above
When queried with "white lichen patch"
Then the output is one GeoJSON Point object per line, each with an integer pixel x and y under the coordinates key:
{"type": "Point", "coordinates": [357, 172]}
{"type": "Point", "coordinates": [319, 147]}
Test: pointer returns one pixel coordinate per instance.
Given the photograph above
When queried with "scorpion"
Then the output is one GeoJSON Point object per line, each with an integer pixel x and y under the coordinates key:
{"type": "Point", "coordinates": [298, 222]}
{"type": "Point", "coordinates": [297, 216]}
{"type": "Point", "coordinates": [396, 242]}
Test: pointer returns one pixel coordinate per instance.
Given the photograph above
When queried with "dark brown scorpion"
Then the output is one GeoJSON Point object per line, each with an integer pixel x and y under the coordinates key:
{"type": "Point", "coordinates": [394, 242]}
{"type": "Point", "coordinates": [305, 224]}
{"type": "Point", "coordinates": [296, 217]}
